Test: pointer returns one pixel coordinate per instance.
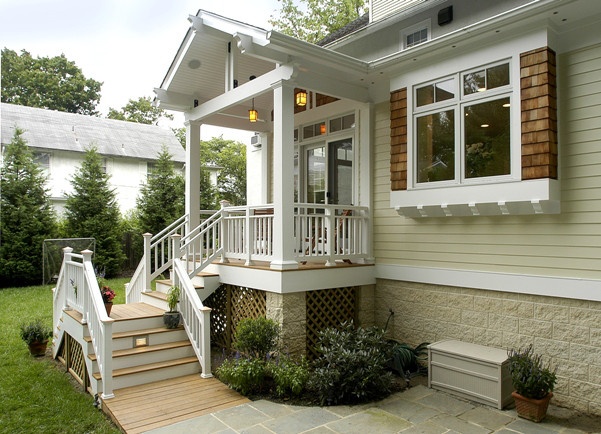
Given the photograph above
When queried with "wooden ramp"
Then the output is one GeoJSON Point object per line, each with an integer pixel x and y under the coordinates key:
{"type": "Point", "coordinates": [141, 408]}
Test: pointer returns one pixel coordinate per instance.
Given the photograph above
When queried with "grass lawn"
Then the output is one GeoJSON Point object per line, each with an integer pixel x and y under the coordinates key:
{"type": "Point", "coordinates": [36, 394]}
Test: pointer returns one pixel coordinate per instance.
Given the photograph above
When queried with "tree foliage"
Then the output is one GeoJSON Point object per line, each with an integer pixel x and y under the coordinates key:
{"type": "Point", "coordinates": [161, 199]}
{"type": "Point", "coordinates": [313, 20]}
{"type": "Point", "coordinates": [92, 211]}
{"type": "Point", "coordinates": [230, 157]}
{"type": "Point", "coordinates": [141, 111]}
{"type": "Point", "coordinates": [54, 83]}
{"type": "Point", "coordinates": [26, 215]}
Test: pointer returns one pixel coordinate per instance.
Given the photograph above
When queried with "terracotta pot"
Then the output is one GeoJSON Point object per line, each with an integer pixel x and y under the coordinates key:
{"type": "Point", "coordinates": [108, 306]}
{"type": "Point", "coordinates": [37, 349]}
{"type": "Point", "coordinates": [531, 409]}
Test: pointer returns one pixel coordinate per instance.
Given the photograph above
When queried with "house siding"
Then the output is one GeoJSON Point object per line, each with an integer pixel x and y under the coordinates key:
{"type": "Point", "coordinates": [565, 330]}
{"type": "Point", "coordinates": [563, 245]}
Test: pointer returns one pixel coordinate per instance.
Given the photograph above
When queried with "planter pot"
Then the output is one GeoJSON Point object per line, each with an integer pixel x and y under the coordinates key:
{"type": "Point", "coordinates": [37, 349]}
{"type": "Point", "coordinates": [108, 306]}
{"type": "Point", "coordinates": [171, 319]}
{"type": "Point", "coordinates": [531, 409]}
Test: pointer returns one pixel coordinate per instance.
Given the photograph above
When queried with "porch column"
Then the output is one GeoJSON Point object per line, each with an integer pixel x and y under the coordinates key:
{"type": "Point", "coordinates": [283, 174]}
{"type": "Point", "coordinates": [192, 174]}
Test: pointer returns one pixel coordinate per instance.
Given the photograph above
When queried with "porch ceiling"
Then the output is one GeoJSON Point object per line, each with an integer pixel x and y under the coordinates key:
{"type": "Point", "coordinates": [202, 64]}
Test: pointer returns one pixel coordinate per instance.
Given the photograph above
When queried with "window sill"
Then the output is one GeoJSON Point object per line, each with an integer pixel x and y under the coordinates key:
{"type": "Point", "coordinates": [539, 196]}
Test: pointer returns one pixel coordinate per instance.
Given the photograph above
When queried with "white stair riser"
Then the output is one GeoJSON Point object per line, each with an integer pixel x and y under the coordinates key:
{"type": "Point", "coordinates": [154, 375]}
{"type": "Point", "coordinates": [153, 339]}
{"type": "Point", "coordinates": [138, 324]}
{"type": "Point", "coordinates": [162, 287]}
{"type": "Point", "coordinates": [152, 357]}
{"type": "Point", "coordinates": [156, 302]}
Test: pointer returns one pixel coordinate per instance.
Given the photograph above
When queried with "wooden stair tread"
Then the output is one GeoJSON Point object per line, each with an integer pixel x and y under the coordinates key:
{"type": "Point", "coordinates": [150, 367]}
{"type": "Point", "coordinates": [146, 349]}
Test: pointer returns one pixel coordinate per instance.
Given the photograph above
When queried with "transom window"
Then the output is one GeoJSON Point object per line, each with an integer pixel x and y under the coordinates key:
{"type": "Point", "coordinates": [415, 35]}
{"type": "Point", "coordinates": [462, 126]}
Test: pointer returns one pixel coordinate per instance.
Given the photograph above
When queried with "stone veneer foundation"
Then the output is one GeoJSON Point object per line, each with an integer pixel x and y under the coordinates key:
{"type": "Point", "coordinates": [566, 332]}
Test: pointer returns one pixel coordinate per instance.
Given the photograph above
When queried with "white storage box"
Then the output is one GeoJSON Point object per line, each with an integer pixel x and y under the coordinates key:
{"type": "Point", "coordinates": [471, 371]}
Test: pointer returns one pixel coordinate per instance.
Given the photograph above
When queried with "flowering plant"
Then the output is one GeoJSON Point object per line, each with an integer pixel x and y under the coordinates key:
{"type": "Point", "coordinates": [107, 294]}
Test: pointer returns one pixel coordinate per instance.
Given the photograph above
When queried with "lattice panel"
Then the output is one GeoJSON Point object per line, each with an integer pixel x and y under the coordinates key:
{"type": "Point", "coordinates": [246, 303]}
{"type": "Point", "coordinates": [217, 301]}
{"type": "Point", "coordinates": [74, 358]}
{"type": "Point", "coordinates": [327, 308]}
{"type": "Point", "coordinates": [229, 305]}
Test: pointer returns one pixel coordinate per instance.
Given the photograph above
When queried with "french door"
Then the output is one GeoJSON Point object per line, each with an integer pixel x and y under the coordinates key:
{"type": "Point", "coordinates": [329, 173]}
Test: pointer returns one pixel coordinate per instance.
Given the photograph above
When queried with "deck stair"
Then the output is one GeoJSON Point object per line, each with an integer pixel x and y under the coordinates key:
{"type": "Point", "coordinates": [144, 350]}
{"type": "Point", "coordinates": [204, 282]}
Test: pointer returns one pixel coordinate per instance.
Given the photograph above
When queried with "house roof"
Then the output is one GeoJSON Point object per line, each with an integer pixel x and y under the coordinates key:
{"type": "Point", "coordinates": [351, 27]}
{"type": "Point", "coordinates": [55, 130]}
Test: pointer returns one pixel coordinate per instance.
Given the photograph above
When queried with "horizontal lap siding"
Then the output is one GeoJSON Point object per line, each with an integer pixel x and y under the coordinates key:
{"type": "Point", "coordinates": [568, 244]}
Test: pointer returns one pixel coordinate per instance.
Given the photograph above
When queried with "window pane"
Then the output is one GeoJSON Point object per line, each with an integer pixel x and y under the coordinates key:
{"type": "Point", "coordinates": [348, 121]}
{"type": "Point", "coordinates": [474, 82]}
{"type": "Point", "coordinates": [436, 147]}
{"type": "Point", "coordinates": [335, 125]}
{"type": "Point", "coordinates": [497, 76]}
{"type": "Point", "coordinates": [487, 139]}
{"type": "Point", "coordinates": [425, 95]}
{"type": "Point", "coordinates": [445, 90]}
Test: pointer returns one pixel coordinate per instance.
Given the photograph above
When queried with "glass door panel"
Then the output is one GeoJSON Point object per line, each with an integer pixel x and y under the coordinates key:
{"type": "Point", "coordinates": [340, 172]}
{"type": "Point", "coordinates": [316, 175]}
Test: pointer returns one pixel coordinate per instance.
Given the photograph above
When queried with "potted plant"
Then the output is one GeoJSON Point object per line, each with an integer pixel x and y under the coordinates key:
{"type": "Point", "coordinates": [36, 335]}
{"type": "Point", "coordinates": [107, 297]}
{"type": "Point", "coordinates": [171, 317]}
{"type": "Point", "coordinates": [533, 383]}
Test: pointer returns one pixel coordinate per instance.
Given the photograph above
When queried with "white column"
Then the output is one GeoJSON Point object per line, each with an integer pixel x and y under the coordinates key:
{"type": "Point", "coordinates": [283, 174]}
{"type": "Point", "coordinates": [192, 174]}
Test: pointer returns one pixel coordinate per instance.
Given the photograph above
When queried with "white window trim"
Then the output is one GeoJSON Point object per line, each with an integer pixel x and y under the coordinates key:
{"type": "Point", "coordinates": [495, 197]}
{"type": "Point", "coordinates": [426, 24]}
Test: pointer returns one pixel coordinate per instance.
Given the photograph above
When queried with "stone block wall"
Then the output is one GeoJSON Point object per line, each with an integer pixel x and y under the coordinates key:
{"type": "Point", "coordinates": [566, 332]}
{"type": "Point", "coordinates": [290, 312]}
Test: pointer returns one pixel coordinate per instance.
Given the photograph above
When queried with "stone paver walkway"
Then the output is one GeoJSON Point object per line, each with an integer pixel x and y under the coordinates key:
{"type": "Point", "coordinates": [416, 410]}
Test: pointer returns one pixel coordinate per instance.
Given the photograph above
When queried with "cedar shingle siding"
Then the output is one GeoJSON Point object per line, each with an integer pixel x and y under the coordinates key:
{"type": "Point", "coordinates": [398, 139]}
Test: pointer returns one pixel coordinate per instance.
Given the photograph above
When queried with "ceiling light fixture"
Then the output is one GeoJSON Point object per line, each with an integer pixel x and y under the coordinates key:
{"type": "Point", "coordinates": [301, 98]}
{"type": "Point", "coordinates": [253, 115]}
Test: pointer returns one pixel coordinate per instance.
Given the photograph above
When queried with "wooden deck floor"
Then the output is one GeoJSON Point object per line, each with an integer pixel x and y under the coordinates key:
{"type": "Point", "coordinates": [141, 408]}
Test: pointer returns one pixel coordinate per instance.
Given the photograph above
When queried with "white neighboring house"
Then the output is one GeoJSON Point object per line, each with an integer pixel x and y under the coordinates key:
{"type": "Point", "coordinates": [59, 141]}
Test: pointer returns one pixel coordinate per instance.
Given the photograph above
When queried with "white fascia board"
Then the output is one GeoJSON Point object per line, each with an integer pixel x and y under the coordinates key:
{"type": "Point", "coordinates": [244, 92]}
{"type": "Point", "coordinates": [179, 57]}
{"type": "Point", "coordinates": [310, 52]}
{"type": "Point", "coordinates": [229, 26]}
{"type": "Point", "coordinates": [548, 286]}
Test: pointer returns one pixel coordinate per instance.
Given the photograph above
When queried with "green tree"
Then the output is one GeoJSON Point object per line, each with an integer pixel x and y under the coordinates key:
{"type": "Point", "coordinates": [92, 211]}
{"type": "Point", "coordinates": [313, 20]}
{"type": "Point", "coordinates": [141, 111]}
{"type": "Point", "coordinates": [54, 83]}
{"type": "Point", "coordinates": [26, 215]}
{"type": "Point", "coordinates": [230, 156]}
{"type": "Point", "coordinates": [161, 199]}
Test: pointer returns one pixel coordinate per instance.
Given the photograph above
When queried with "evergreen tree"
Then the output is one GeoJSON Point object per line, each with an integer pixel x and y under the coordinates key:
{"type": "Point", "coordinates": [230, 157]}
{"type": "Point", "coordinates": [161, 199]}
{"type": "Point", "coordinates": [26, 215]}
{"type": "Point", "coordinates": [92, 211]}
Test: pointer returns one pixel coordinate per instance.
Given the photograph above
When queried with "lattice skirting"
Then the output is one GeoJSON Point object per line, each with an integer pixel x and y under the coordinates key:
{"type": "Point", "coordinates": [327, 308]}
{"type": "Point", "coordinates": [230, 304]}
{"type": "Point", "coordinates": [72, 356]}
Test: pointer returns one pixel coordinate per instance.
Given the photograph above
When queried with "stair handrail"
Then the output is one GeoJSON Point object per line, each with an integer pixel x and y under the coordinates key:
{"type": "Point", "coordinates": [202, 245]}
{"type": "Point", "coordinates": [78, 288]}
{"type": "Point", "coordinates": [195, 316]}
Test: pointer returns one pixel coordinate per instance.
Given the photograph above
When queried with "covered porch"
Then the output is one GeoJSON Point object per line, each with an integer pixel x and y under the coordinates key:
{"type": "Point", "coordinates": [309, 168]}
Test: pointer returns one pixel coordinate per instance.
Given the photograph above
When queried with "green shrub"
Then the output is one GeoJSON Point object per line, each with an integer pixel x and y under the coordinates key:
{"type": "Point", "coordinates": [257, 337]}
{"type": "Point", "coordinates": [289, 376]}
{"type": "Point", "coordinates": [35, 331]}
{"type": "Point", "coordinates": [351, 367]}
{"type": "Point", "coordinates": [246, 375]}
{"type": "Point", "coordinates": [528, 375]}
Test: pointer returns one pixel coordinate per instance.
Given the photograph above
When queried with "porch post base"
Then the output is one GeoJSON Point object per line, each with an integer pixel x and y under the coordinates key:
{"type": "Point", "coordinates": [283, 265]}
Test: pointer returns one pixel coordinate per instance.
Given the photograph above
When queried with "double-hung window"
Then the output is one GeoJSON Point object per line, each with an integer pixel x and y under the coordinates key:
{"type": "Point", "coordinates": [462, 127]}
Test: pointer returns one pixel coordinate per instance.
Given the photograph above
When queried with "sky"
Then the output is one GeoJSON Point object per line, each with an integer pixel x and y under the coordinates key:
{"type": "Point", "coordinates": [126, 44]}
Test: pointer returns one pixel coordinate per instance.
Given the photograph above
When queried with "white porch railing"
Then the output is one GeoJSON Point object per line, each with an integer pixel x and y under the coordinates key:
{"type": "Point", "coordinates": [157, 256]}
{"type": "Point", "coordinates": [195, 316]}
{"type": "Point", "coordinates": [321, 233]}
{"type": "Point", "coordinates": [77, 288]}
